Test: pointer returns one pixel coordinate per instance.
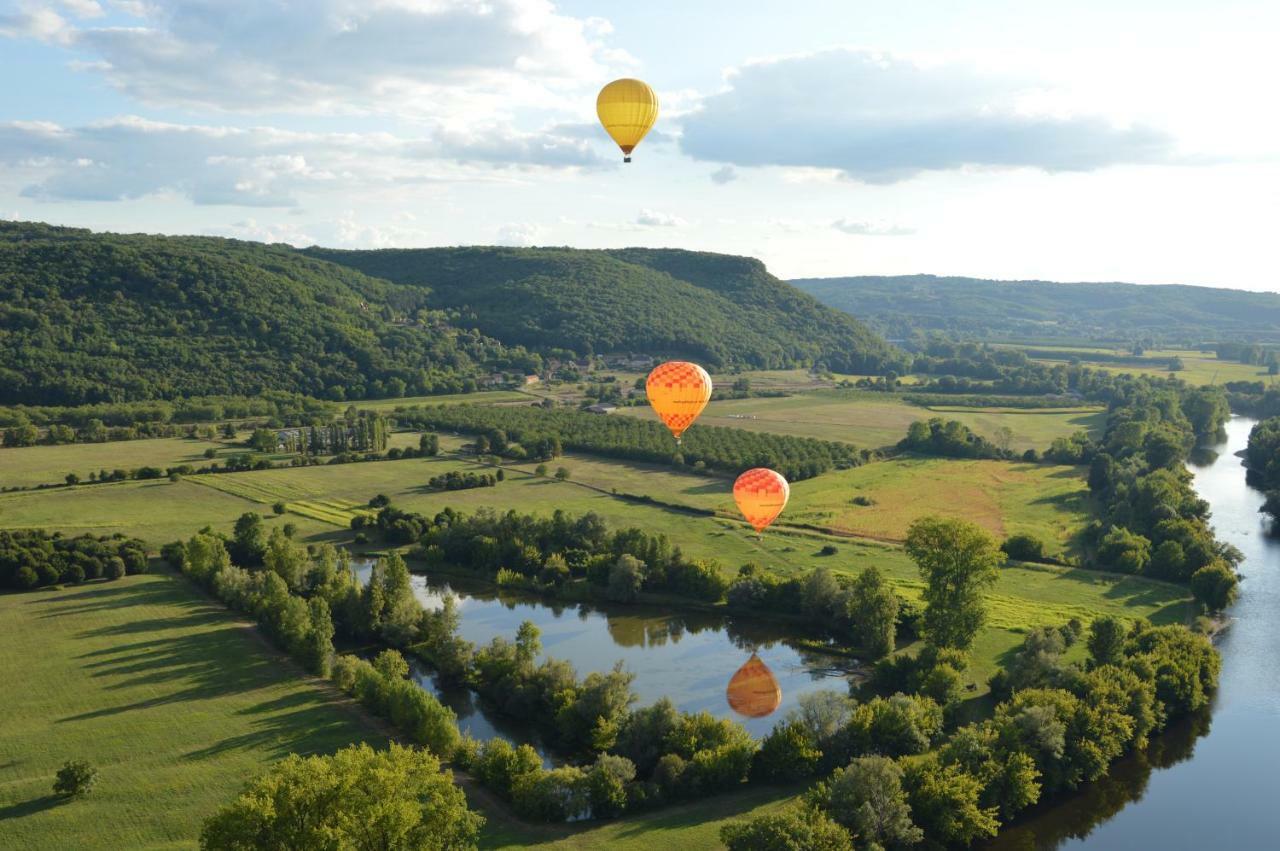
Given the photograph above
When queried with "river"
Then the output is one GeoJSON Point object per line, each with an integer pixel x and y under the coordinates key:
{"type": "Point", "coordinates": [1207, 783]}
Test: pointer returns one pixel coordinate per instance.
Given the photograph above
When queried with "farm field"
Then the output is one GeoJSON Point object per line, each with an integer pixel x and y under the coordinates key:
{"type": "Point", "coordinates": [482, 397]}
{"type": "Point", "coordinates": [1199, 367]}
{"type": "Point", "coordinates": [37, 465]}
{"type": "Point", "coordinates": [873, 420]}
{"type": "Point", "coordinates": [173, 699]}
{"type": "Point", "coordinates": [1049, 502]}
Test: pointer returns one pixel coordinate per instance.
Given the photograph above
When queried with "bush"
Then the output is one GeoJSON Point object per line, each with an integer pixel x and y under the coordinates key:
{"type": "Point", "coordinates": [278, 508]}
{"type": "Point", "coordinates": [1023, 547]}
{"type": "Point", "coordinates": [75, 778]}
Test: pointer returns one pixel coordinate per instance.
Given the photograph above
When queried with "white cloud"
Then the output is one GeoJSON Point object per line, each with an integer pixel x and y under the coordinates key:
{"type": "Point", "coordinates": [724, 174]}
{"type": "Point", "coordinates": [32, 20]}
{"type": "Point", "coordinates": [420, 57]}
{"type": "Point", "coordinates": [854, 227]}
{"type": "Point", "coordinates": [653, 218]}
{"type": "Point", "coordinates": [83, 8]}
{"type": "Point", "coordinates": [518, 234]}
{"type": "Point", "coordinates": [881, 119]}
{"type": "Point", "coordinates": [131, 157]}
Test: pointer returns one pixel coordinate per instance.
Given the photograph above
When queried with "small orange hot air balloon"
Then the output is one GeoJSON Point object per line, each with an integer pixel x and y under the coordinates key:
{"type": "Point", "coordinates": [678, 391]}
{"type": "Point", "coordinates": [754, 691]}
{"type": "Point", "coordinates": [761, 495]}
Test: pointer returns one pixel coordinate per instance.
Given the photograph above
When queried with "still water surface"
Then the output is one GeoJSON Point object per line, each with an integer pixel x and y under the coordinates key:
{"type": "Point", "coordinates": [1201, 785]}
{"type": "Point", "coordinates": [687, 657]}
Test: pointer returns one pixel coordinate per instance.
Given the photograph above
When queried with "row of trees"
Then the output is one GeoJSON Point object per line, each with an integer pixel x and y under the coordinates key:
{"type": "Point", "coordinates": [365, 431]}
{"type": "Point", "coordinates": [900, 780]}
{"type": "Point", "coordinates": [1152, 522]}
{"type": "Point", "coordinates": [564, 555]}
{"type": "Point", "coordinates": [31, 558]}
{"type": "Point", "coordinates": [728, 449]}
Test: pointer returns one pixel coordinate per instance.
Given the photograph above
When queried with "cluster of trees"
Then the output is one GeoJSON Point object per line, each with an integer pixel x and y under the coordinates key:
{"type": "Point", "coordinates": [728, 449]}
{"type": "Point", "coordinates": [455, 480]}
{"type": "Point", "coordinates": [901, 781]}
{"type": "Point", "coordinates": [1262, 456]}
{"type": "Point", "coordinates": [105, 318]}
{"type": "Point", "coordinates": [719, 310]}
{"type": "Point", "coordinates": [950, 439]}
{"type": "Point", "coordinates": [28, 425]}
{"type": "Point", "coordinates": [356, 798]}
{"type": "Point", "coordinates": [31, 558]}
{"type": "Point", "coordinates": [1152, 522]}
{"type": "Point", "coordinates": [365, 431]}
{"type": "Point", "coordinates": [562, 554]}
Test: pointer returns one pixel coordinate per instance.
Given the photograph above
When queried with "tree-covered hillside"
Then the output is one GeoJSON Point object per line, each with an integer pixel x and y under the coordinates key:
{"type": "Point", "coordinates": [717, 309]}
{"type": "Point", "coordinates": [898, 306]}
{"type": "Point", "coordinates": [88, 317]}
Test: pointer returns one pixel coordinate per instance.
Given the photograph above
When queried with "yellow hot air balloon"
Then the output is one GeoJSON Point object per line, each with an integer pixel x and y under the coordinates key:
{"type": "Point", "coordinates": [627, 109]}
{"type": "Point", "coordinates": [754, 691]}
{"type": "Point", "coordinates": [761, 495]}
{"type": "Point", "coordinates": [678, 391]}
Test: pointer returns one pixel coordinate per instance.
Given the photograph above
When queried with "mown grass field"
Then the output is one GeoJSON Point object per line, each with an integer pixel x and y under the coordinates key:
{"type": "Point", "coordinates": [1198, 367]}
{"type": "Point", "coordinates": [1049, 502]}
{"type": "Point", "coordinates": [482, 397]}
{"type": "Point", "coordinates": [174, 700]}
{"type": "Point", "coordinates": [874, 420]}
{"type": "Point", "coordinates": [38, 465]}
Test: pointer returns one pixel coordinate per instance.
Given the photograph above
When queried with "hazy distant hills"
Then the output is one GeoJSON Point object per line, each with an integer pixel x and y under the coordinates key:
{"type": "Point", "coordinates": [714, 308]}
{"type": "Point", "coordinates": [897, 305]}
{"type": "Point", "coordinates": [89, 317]}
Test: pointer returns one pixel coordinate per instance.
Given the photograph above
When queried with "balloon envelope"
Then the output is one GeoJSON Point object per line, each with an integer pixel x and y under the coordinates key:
{"type": "Point", "coordinates": [678, 391]}
{"type": "Point", "coordinates": [761, 495]}
{"type": "Point", "coordinates": [628, 109]}
{"type": "Point", "coordinates": [753, 690]}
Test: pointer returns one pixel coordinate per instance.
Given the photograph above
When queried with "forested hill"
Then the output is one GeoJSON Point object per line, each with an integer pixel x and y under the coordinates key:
{"type": "Point", "coordinates": [90, 317]}
{"type": "Point", "coordinates": [717, 309]}
{"type": "Point", "coordinates": [896, 306]}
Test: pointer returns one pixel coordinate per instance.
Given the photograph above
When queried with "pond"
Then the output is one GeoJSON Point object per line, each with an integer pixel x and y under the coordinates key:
{"type": "Point", "coordinates": [1199, 785]}
{"type": "Point", "coordinates": [686, 656]}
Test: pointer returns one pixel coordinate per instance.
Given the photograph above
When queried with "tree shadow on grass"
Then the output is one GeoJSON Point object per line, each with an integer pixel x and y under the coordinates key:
{"type": "Point", "coordinates": [209, 663]}
{"type": "Point", "coordinates": [303, 722]}
{"type": "Point", "coordinates": [30, 808]}
{"type": "Point", "coordinates": [114, 595]}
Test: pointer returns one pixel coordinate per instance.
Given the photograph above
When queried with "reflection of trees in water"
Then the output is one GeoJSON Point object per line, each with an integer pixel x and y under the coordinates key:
{"type": "Point", "coordinates": [1053, 822]}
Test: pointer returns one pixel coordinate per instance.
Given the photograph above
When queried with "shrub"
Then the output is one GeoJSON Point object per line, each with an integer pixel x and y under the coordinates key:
{"type": "Point", "coordinates": [1023, 547]}
{"type": "Point", "coordinates": [75, 778]}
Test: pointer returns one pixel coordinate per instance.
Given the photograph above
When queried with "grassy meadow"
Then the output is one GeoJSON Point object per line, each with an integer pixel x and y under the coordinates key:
{"type": "Point", "coordinates": [876, 420]}
{"type": "Point", "coordinates": [172, 698]}
{"type": "Point", "coordinates": [39, 465]}
{"type": "Point", "coordinates": [1199, 367]}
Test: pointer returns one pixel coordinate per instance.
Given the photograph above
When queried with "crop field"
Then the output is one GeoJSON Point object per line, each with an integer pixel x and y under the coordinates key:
{"type": "Point", "coordinates": [170, 697]}
{"type": "Point", "coordinates": [875, 420]}
{"type": "Point", "coordinates": [38, 465]}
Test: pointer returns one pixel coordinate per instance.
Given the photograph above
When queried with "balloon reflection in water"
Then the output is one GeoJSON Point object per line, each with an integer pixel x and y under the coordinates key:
{"type": "Point", "coordinates": [754, 691]}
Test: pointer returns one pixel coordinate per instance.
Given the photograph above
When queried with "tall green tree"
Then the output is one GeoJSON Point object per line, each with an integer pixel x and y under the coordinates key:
{"type": "Point", "coordinates": [958, 561]}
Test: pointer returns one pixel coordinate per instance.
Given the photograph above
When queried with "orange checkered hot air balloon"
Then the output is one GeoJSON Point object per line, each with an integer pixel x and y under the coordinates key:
{"type": "Point", "coordinates": [678, 391]}
{"type": "Point", "coordinates": [761, 495]}
{"type": "Point", "coordinates": [754, 691]}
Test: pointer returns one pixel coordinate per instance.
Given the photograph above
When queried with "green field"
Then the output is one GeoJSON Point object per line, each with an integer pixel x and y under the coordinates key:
{"type": "Point", "coordinates": [875, 420]}
{"type": "Point", "coordinates": [482, 397]}
{"type": "Point", "coordinates": [173, 699]}
{"type": "Point", "coordinates": [1199, 367]}
{"type": "Point", "coordinates": [39, 465]}
{"type": "Point", "coordinates": [1050, 502]}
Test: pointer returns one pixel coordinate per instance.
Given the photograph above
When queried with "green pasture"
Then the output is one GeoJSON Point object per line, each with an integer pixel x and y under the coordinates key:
{"type": "Point", "coordinates": [38, 465]}
{"type": "Point", "coordinates": [876, 420]}
{"type": "Point", "coordinates": [175, 701]}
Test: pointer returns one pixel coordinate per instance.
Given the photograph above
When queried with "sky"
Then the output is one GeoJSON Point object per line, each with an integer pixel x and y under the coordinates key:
{"type": "Point", "coordinates": [1104, 141]}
